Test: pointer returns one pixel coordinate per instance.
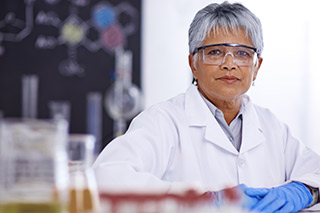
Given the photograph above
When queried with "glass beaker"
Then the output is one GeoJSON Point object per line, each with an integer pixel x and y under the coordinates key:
{"type": "Point", "coordinates": [34, 165]}
{"type": "Point", "coordinates": [83, 194]}
{"type": "Point", "coordinates": [60, 110]}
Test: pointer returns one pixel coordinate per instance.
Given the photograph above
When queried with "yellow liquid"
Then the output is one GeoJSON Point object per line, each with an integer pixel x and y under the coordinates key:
{"type": "Point", "coordinates": [80, 201]}
{"type": "Point", "coordinates": [31, 208]}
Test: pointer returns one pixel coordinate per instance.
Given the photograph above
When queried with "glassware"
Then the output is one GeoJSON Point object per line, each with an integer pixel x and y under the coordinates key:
{"type": "Point", "coordinates": [60, 110]}
{"type": "Point", "coordinates": [94, 119]}
{"type": "Point", "coordinates": [34, 166]}
{"type": "Point", "coordinates": [83, 192]}
{"type": "Point", "coordinates": [123, 99]}
{"type": "Point", "coordinates": [29, 96]}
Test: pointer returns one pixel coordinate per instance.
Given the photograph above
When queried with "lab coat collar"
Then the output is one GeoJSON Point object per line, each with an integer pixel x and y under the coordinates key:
{"type": "Point", "coordinates": [198, 114]}
{"type": "Point", "coordinates": [252, 133]}
{"type": "Point", "coordinates": [197, 111]}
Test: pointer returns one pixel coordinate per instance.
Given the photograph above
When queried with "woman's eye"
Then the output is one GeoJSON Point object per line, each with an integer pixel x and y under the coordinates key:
{"type": "Point", "coordinates": [214, 52]}
{"type": "Point", "coordinates": [243, 53]}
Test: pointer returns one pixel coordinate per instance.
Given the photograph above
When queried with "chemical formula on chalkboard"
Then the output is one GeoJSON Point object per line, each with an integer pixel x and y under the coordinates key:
{"type": "Point", "coordinates": [59, 56]}
{"type": "Point", "coordinates": [107, 28]}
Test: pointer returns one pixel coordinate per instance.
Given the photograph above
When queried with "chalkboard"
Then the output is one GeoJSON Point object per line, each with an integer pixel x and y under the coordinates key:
{"type": "Point", "coordinates": [69, 45]}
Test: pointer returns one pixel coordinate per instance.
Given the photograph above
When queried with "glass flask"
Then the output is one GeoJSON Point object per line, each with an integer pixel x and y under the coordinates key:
{"type": "Point", "coordinates": [83, 192]}
{"type": "Point", "coordinates": [34, 166]}
{"type": "Point", "coordinates": [123, 99]}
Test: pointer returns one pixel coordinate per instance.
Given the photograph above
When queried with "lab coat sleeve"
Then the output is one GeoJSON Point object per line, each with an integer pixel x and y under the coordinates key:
{"type": "Point", "coordinates": [138, 159]}
{"type": "Point", "coordinates": [303, 164]}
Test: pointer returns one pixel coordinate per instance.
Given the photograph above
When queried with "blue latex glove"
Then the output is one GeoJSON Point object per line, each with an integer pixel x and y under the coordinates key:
{"type": "Point", "coordinates": [248, 202]}
{"type": "Point", "coordinates": [290, 197]}
{"type": "Point", "coordinates": [235, 196]}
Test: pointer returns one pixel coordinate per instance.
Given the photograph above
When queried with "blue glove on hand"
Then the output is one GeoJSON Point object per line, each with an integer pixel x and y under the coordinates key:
{"type": "Point", "coordinates": [233, 196]}
{"type": "Point", "coordinates": [290, 197]}
{"type": "Point", "coordinates": [248, 202]}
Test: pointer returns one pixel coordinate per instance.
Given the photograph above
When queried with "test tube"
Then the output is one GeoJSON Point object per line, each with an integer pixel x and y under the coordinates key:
{"type": "Point", "coordinates": [29, 96]}
{"type": "Point", "coordinates": [94, 116]}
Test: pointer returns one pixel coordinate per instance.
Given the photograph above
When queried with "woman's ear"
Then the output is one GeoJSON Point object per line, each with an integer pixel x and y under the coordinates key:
{"type": "Point", "coordinates": [192, 65]}
{"type": "Point", "coordinates": [259, 63]}
{"type": "Point", "coordinates": [257, 67]}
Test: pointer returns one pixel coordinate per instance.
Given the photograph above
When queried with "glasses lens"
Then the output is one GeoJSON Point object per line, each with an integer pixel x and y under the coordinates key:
{"type": "Point", "coordinates": [216, 55]}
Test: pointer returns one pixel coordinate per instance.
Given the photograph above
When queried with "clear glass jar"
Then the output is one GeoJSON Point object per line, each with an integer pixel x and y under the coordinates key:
{"type": "Point", "coordinates": [34, 166]}
{"type": "Point", "coordinates": [83, 194]}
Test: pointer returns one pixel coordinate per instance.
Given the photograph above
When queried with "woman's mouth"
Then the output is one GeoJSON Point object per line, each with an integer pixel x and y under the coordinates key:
{"type": "Point", "coordinates": [228, 79]}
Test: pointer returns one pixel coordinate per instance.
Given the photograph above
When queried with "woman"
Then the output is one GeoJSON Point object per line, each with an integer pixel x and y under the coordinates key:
{"type": "Point", "coordinates": [213, 135]}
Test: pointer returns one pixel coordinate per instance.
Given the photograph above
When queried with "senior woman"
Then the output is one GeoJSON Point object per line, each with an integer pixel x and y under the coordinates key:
{"type": "Point", "coordinates": [213, 135]}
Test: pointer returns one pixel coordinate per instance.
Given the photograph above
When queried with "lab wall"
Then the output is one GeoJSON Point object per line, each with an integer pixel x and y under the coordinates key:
{"type": "Point", "coordinates": [59, 57]}
{"type": "Point", "coordinates": [287, 82]}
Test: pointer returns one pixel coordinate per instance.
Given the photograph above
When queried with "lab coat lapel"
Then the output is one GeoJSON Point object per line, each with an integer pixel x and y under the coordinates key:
{"type": "Point", "coordinates": [252, 134]}
{"type": "Point", "coordinates": [198, 114]}
{"type": "Point", "coordinates": [215, 134]}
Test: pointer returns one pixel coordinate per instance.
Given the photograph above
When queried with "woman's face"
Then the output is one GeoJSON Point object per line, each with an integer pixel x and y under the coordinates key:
{"type": "Point", "coordinates": [225, 82]}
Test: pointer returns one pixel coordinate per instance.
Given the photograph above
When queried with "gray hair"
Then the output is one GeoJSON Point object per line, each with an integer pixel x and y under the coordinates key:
{"type": "Point", "coordinates": [227, 16]}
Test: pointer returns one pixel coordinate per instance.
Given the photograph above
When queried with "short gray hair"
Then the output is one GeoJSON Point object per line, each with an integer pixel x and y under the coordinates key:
{"type": "Point", "coordinates": [227, 16]}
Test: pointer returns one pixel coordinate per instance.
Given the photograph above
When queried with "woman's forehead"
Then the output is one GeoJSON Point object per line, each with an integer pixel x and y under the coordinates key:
{"type": "Point", "coordinates": [227, 35]}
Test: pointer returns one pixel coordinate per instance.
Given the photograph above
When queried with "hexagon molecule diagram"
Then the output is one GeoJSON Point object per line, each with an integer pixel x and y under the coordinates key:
{"type": "Point", "coordinates": [113, 25]}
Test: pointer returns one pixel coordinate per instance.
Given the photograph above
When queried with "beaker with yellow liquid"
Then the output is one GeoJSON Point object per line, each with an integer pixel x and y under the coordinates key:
{"type": "Point", "coordinates": [34, 166]}
{"type": "Point", "coordinates": [83, 192]}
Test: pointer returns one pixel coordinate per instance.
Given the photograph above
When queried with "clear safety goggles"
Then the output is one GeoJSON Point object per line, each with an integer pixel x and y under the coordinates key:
{"type": "Point", "coordinates": [216, 54]}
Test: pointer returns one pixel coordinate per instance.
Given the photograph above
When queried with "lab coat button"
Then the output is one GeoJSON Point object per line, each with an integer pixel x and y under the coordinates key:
{"type": "Point", "coordinates": [241, 163]}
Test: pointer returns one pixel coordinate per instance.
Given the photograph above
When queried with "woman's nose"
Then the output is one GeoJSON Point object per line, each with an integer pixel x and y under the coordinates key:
{"type": "Point", "coordinates": [228, 62]}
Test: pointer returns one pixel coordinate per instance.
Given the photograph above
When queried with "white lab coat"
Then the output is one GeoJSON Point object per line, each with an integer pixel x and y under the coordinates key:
{"type": "Point", "coordinates": [179, 143]}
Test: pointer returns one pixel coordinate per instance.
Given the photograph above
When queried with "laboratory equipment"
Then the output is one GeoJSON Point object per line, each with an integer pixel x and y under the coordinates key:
{"type": "Point", "coordinates": [34, 165]}
{"type": "Point", "coordinates": [60, 110]}
{"type": "Point", "coordinates": [123, 99]}
{"type": "Point", "coordinates": [83, 191]}
{"type": "Point", "coordinates": [189, 200]}
{"type": "Point", "coordinates": [94, 118]}
{"type": "Point", "coordinates": [29, 96]}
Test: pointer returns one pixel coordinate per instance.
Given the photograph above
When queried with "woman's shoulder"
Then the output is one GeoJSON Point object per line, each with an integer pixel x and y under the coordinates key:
{"type": "Point", "coordinates": [268, 118]}
{"type": "Point", "coordinates": [170, 105]}
{"type": "Point", "coordinates": [261, 111]}
{"type": "Point", "coordinates": [168, 109]}
{"type": "Point", "coordinates": [264, 114]}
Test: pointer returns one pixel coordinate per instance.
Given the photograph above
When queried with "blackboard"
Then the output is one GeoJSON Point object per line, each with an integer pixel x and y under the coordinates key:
{"type": "Point", "coordinates": [70, 46]}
